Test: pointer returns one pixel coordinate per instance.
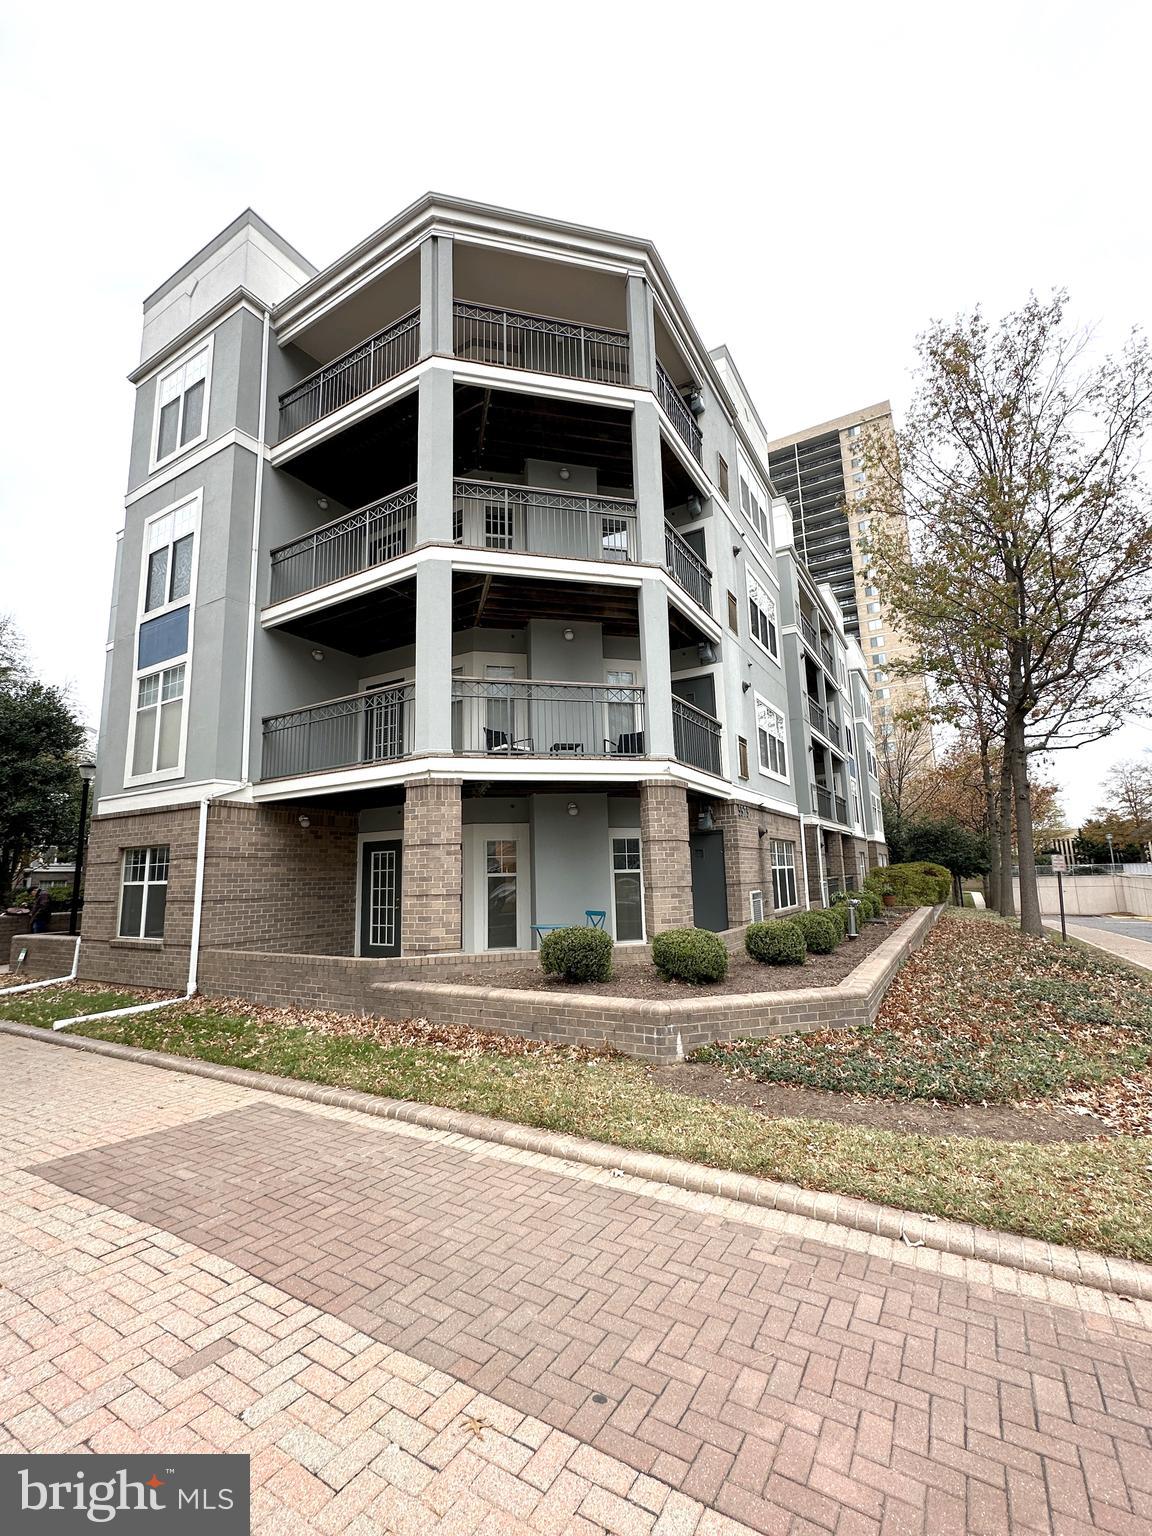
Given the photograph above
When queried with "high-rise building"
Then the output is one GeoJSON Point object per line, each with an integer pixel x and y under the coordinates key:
{"type": "Point", "coordinates": [453, 603]}
{"type": "Point", "coordinates": [822, 473]}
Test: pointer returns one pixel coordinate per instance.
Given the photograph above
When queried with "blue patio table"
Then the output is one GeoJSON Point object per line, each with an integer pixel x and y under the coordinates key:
{"type": "Point", "coordinates": [595, 919]}
{"type": "Point", "coordinates": [540, 929]}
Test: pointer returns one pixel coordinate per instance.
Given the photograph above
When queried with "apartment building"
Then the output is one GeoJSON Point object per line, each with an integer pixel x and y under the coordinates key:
{"type": "Point", "coordinates": [822, 473]}
{"type": "Point", "coordinates": [453, 602]}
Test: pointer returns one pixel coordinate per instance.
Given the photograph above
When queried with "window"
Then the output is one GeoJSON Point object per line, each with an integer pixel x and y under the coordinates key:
{"type": "Point", "coordinates": [873, 607]}
{"type": "Point", "coordinates": [181, 406]}
{"type": "Point", "coordinates": [770, 739]}
{"type": "Point", "coordinates": [627, 891]}
{"type": "Point", "coordinates": [762, 613]}
{"type": "Point", "coordinates": [159, 721]}
{"type": "Point", "coordinates": [858, 477]}
{"type": "Point", "coordinates": [783, 874]}
{"type": "Point", "coordinates": [143, 893]}
{"type": "Point", "coordinates": [168, 543]}
{"type": "Point", "coordinates": [501, 876]}
{"type": "Point", "coordinates": [883, 693]}
{"type": "Point", "coordinates": [722, 475]}
{"type": "Point", "coordinates": [862, 866]}
{"type": "Point", "coordinates": [880, 660]}
{"type": "Point", "coordinates": [742, 754]}
{"type": "Point", "coordinates": [876, 623]}
{"type": "Point", "coordinates": [756, 905]}
{"type": "Point", "coordinates": [733, 614]}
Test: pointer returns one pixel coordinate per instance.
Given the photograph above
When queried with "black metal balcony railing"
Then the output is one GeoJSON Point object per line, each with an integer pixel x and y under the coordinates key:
{"type": "Point", "coordinates": [531, 718]}
{"type": "Point", "coordinates": [678, 413]}
{"type": "Point", "coordinates": [369, 727]}
{"type": "Point", "coordinates": [687, 567]}
{"type": "Point", "coordinates": [346, 378]}
{"type": "Point", "coordinates": [540, 344]}
{"type": "Point", "coordinates": [818, 716]}
{"type": "Point", "coordinates": [370, 536]}
{"type": "Point", "coordinates": [808, 631]}
{"type": "Point", "coordinates": [695, 736]}
{"type": "Point", "coordinates": [841, 810]}
{"type": "Point", "coordinates": [539, 522]}
{"type": "Point", "coordinates": [823, 801]}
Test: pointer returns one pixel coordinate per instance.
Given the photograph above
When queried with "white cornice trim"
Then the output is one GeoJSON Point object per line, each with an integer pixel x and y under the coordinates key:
{"type": "Point", "coordinates": [233, 439]}
{"type": "Point", "coordinates": [239, 298]}
{"type": "Point", "coordinates": [186, 792]}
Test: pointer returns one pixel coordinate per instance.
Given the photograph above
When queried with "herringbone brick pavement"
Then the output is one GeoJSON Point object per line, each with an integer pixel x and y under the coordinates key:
{"type": "Point", "coordinates": [413, 1333]}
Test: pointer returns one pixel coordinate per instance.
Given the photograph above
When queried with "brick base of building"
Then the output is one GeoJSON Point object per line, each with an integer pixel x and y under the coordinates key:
{"type": "Point", "coordinates": [666, 856]}
{"type": "Point", "coordinates": [432, 912]}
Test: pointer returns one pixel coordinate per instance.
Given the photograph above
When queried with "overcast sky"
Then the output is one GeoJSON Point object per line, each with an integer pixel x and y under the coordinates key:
{"type": "Point", "coordinates": [821, 180]}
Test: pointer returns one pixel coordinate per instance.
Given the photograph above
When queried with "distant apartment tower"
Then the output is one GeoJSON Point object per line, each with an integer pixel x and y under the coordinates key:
{"type": "Point", "coordinates": [822, 474]}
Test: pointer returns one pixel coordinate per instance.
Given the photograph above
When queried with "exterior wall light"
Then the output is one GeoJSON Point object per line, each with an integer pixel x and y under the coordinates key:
{"type": "Point", "coordinates": [565, 472]}
{"type": "Point", "coordinates": [706, 822]}
{"type": "Point", "coordinates": [696, 402]}
{"type": "Point", "coordinates": [569, 634]}
{"type": "Point", "coordinates": [304, 822]}
{"type": "Point", "coordinates": [573, 808]}
{"type": "Point", "coordinates": [322, 503]}
{"type": "Point", "coordinates": [317, 654]}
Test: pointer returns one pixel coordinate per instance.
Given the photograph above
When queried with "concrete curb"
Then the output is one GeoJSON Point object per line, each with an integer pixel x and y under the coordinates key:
{"type": "Point", "coordinates": [1077, 1266]}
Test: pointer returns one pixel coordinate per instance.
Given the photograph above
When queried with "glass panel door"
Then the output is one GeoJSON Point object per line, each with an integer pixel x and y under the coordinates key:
{"type": "Point", "coordinates": [499, 710]}
{"type": "Point", "coordinates": [501, 892]}
{"type": "Point", "coordinates": [620, 731]}
{"type": "Point", "coordinates": [626, 890]}
{"type": "Point", "coordinates": [380, 891]}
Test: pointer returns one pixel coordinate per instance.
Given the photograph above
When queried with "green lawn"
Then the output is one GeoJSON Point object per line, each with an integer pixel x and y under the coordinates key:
{"type": "Point", "coordinates": [1094, 1194]}
{"type": "Point", "coordinates": [980, 1014]}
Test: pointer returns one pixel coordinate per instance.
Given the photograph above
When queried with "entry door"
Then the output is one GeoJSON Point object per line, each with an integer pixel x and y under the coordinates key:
{"type": "Point", "coordinates": [381, 868]}
{"type": "Point", "coordinates": [709, 891]}
{"type": "Point", "coordinates": [498, 872]}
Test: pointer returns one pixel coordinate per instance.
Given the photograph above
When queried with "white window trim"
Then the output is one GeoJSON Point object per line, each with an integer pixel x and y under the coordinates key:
{"type": "Point", "coordinates": [162, 775]}
{"type": "Point", "coordinates": [790, 843]}
{"type": "Point", "coordinates": [138, 938]}
{"type": "Point", "coordinates": [752, 579]}
{"type": "Point", "coordinates": [770, 773]}
{"type": "Point", "coordinates": [475, 911]}
{"type": "Point", "coordinates": [613, 833]}
{"type": "Point", "coordinates": [206, 344]}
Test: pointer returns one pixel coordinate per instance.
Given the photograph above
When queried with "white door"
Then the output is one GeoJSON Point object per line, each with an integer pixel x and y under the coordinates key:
{"type": "Point", "coordinates": [499, 882]}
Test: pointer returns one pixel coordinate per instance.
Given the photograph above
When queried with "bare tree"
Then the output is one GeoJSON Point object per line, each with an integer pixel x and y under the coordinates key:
{"type": "Point", "coordinates": [1031, 549]}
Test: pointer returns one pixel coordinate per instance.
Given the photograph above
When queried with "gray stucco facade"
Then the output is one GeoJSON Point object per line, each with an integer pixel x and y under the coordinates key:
{"type": "Point", "coordinates": [448, 555]}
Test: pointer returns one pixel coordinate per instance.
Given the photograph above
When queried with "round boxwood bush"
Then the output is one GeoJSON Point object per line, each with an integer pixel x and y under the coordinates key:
{"type": "Point", "coordinates": [689, 954]}
{"type": "Point", "coordinates": [873, 906]}
{"type": "Point", "coordinates": [838, 914]}
{"type": "Point", "coordinates": [821, 931]}
{"type": "Point", "coordinates": [577, 954]}
{"type": "Point", "coordinates": [779, 941]}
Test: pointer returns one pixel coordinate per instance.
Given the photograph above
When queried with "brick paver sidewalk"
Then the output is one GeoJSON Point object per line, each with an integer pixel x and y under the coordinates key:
{"type": "Point", "coordinates": [413, 1333]}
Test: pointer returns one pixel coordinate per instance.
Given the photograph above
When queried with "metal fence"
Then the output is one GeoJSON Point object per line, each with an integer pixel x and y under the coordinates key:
{"type": "Point", "coordinates": [521, 718]}
{"type": "Point", "coordinates": [540, 344]}
{"type": "Point", "coordinates": [687, 567]}
{"type": "Point", "coordinates": [678, 413]}
{"type": "Point", "coordinates": [374, 361]}
{"type": "Point", "coordinates": [535, 521]}
{"type": "Point", "coordinates": [695, 736]}
{"type": "Point", "coordinates": [371, 536]}
{"type": "Point", "coordinates": [369, 727]}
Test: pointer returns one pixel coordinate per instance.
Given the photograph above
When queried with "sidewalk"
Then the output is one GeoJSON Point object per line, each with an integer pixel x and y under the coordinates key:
{"type": "Point", "coordinates": [412, 1332]}
{"type": "Point", "coordinates": [1135, 951]}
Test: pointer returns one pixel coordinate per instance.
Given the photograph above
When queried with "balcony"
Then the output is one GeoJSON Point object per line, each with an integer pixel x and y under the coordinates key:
{"type": "Point", "coordinates": [842, 810]}
{"type": "Point", "coordinates": [678, 413]}
{"type": "Point", "coordinates": [695, 736]}
{"type": "Point", "coordinates": [823, 801]}
{"type": "Point", "coordinates": [369, 727]}
{"type": "Point", "coordinates": [531, 718]}
{"type": "Point", "coordinates": [532, 521]}
{"type": "Point", "coordinates": [687, 567]}
{"type": "Point", "coordinates": [540, 344]}
{"type": "Point", "coordinates": [371, 536]}
{"type": "Point", "coordinates": [357, 372]}
{"type": "Point", "coordinates": [823, 722]}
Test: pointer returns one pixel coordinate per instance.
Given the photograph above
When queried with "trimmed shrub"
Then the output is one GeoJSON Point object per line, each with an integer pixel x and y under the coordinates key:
{"type": "Point", "coordinates": [690, 954]}
{"type": "Point", "coordinates": [913, 885]}
{"type": "Point", "coordinates": [779, 941]}
{"type": "Point", "coordinates": [821, 931]}
{"type": "Point", "coordinates": [577, 954]}
{"type": "Point", "coordinates": [870, 905]}
{"type": "Point", "coordinates": [838, 913]}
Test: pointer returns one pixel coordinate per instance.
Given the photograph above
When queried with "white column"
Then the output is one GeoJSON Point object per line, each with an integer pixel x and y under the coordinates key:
{"type": "Point", "coordinates": [656, 656]}
{"type": "Point", "coordinates": [436, 296]}
{"type": "Point", "coordinates": [433, 730]}
{"type": "Point", "coordinates": [434, 457]}
{"type": "Point", "coordinates": [648, 480]}
{"type": "Point", "coordinates": [641, 332]}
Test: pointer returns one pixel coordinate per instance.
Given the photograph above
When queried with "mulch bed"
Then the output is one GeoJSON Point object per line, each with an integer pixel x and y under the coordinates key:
{"type": "Point", "coordinates": [776, 1101]}
{"type": "Point", "coordinates": [744, 975]}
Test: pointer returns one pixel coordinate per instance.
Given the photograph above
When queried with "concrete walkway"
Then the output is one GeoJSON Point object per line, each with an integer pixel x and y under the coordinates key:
{"type": "Point", "coordinates": [411, 1332]}
{"type": "Point", "coordinates": [1127, 938]}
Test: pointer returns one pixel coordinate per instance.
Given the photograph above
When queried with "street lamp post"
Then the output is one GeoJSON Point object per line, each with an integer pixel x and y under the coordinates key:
{"type": "Point", "coordinates": [1111, 851]}
{"type": "Point", "coordinates": [87, 774]}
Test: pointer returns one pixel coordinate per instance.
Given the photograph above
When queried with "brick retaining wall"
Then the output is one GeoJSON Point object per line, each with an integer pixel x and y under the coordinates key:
{"type": "Point", "coordinates": [655, 1031]}
{"type": "Point", "coordinates": [49, 954]}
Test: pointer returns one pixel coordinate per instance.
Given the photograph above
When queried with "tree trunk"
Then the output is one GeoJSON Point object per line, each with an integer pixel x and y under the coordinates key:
{"type": "Point", "coordinates": [1025, 846]}
{"type": "Point", "coordinates": [992, 821]}
{"type": "Point", "coordinates": [1006, 906]}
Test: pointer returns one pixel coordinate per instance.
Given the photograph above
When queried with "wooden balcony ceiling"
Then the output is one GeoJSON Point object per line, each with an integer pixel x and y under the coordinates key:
{"type": "Point", "coordinates": [364, 461]}
{"type": "Point", "coordinates": [496, 430]}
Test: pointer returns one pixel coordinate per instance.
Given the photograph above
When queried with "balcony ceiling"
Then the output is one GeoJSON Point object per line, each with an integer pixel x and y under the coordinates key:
{"type": "Point", "coordinates": [367, 460]}
{"type": "Point", "coordinates": [496, 430]}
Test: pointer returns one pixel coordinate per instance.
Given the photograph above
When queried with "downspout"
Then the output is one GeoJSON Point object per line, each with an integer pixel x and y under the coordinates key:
{"type": "Point", "coordinates": [53, 981]}
{"type": "Point", "coordinates": [254, 572]}
{"type": "Point", "coordinates": [194, 943]}
{"type": "Point", "coordinates": [804, 866]}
